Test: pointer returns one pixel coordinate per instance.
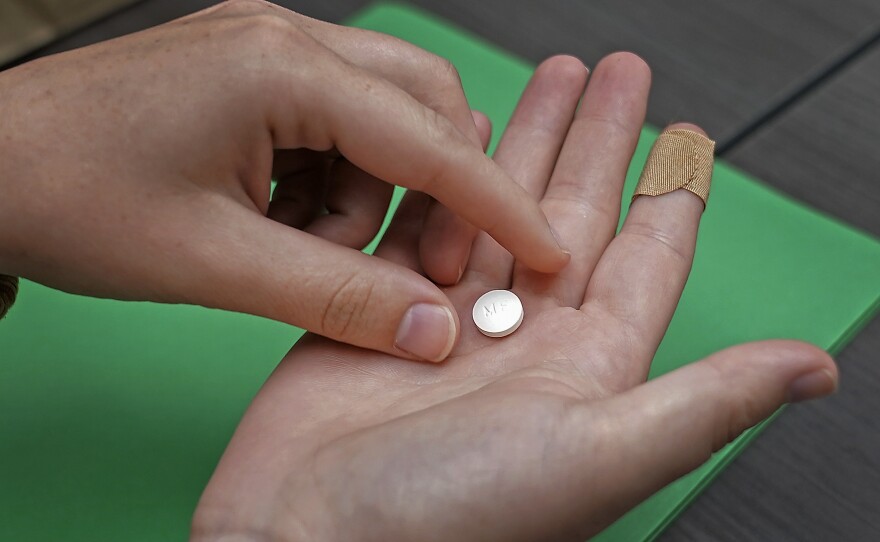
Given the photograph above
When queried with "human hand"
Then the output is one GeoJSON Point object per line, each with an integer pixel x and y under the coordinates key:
{"type": "Point", "coordinates": [548, 434]}
{"type": "Point", "coordinates": [140, 168]}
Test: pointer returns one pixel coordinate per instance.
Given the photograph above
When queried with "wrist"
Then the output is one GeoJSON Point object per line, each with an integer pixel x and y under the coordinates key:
{"type": "Point", "coordinates": [219, 525]}
{"type": "Point", "coordinates": [302, 519]}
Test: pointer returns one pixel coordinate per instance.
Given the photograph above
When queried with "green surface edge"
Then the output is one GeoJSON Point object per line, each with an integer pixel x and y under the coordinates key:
{"type": "Point", "coordinates": [725, 456]}
{"type": "Point", "coordinates": [730, 452]}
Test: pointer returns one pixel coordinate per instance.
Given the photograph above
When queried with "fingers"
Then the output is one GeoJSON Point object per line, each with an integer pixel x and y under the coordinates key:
{"type": "Point", "coordinates": [357, 203]}
{"type": "Point", "coordinates": [445, 244]}
{"type": "Point", "coordinates": [333, 200]}
{"type": "Point", "coordinates": [244, 262]}
{"type": "Point", "coordinates": [433, 81]}
{"type": "Point", "coordinates": [400, 244]}
{"type": "Point", "coordinates": [640, 277]}
{"type": "Point", "coordinates": [529, 149]}
{"type": "Point", "coordinates": [659, 431]}
{"type": "Point", "coordinates": [429, 78]}
{"type": "Point", "coordinates": [405, 237]}
{"type": "Point", "coordinates": [298, 198]}
{"type": "Point", "coordinates": [483, 125]}
{"type": "Point", "coordinates": [311, 97]}
{"type": "Point", "coordinates": [387, 133]}
{"type": "Point", "coordinates": [582, 200]}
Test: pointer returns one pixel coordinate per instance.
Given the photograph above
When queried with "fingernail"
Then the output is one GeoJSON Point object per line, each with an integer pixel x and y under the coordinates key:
{"type": "Point", "coordinates": [558, 239]}
{"type": "Point", "coordinates": [427, 332]}
{"type": "Point", "coordinates": [812, 386]}
{"type": "Point", "coordinates": [559, 244]}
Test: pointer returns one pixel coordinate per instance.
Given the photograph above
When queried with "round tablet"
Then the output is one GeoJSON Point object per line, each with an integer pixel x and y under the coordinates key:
{"type": "Point", "coordinates": [498, 313]}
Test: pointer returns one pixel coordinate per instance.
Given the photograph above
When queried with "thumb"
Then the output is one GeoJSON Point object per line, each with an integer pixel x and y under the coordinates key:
{"type": "Point", "coordinates": [667, 427]}
{"type": "Point", "coordinates": [264, 268]}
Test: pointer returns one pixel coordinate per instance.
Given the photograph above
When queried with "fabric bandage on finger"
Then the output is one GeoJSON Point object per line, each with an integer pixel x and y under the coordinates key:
{"type": "Point", "coordinates": [8, 289]}
{"type": "Point", "coordinates": [679, 159]}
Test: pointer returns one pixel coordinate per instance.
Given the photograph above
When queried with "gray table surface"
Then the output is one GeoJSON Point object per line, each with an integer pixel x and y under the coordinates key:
{"type": "Point", "coordinates": [791, 91]}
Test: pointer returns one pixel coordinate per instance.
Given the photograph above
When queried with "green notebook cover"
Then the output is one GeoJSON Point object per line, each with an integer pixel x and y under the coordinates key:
{"type": "Point", "coordinates": [113, 415]}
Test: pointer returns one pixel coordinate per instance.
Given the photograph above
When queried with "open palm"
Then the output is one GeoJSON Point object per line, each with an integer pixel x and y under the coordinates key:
{"type": "Point", "coordinates": [548, 434]}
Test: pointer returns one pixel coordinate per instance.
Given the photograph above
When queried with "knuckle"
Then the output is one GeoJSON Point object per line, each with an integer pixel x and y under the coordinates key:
{"type": "Point", "coordinates": [348, 307]}
{"type": "Point", "coordinates": [741, 414]}
{"type": "Point", "coordinates": [442, 138]}
{"type": "Point", "coordinates": [613, 128]}
{"type": "Point", "coordinates": [668, 242]}
{"type": "Point", "coordinates": [257, 25]}
{"type": "Point", "coordinates": [448, 73]}
{"type": "Point", "coordinates": [268, 29]}
{"type": "Point", "coordinates": [261, 39]}
{"type": "Point", "coordinates": [442, 91]}
{"type": "Point", "coordinates": [450, 87]}
{"type": "Point", "coordinates": [441, 129]}
{"type": "Point", "coordinates": [436, 83]}
{"type": "Point", "coordinates": [736, 409]}
{"type": "Point", "coordinates": [435, 77]}
{"type": "Point", "coordinates": [242, 7]}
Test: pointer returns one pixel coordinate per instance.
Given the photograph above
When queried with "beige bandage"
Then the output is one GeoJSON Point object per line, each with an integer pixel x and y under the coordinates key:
{"type": "Point", "coordinates": [678, 159]}
{"type": "Point", "coordinates": [8, 289]}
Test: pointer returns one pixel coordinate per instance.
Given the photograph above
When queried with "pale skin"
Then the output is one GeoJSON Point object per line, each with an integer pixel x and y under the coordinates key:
{"type": "Point", "coordinates": [548, 434]}
{"type": "Point", "coordinates": [139, 169]}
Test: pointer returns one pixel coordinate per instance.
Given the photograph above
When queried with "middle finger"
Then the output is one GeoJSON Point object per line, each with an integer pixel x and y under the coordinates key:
{"type": "Point", "coordinates": [528, 151]}
{"type": "Point", "coordinates": [582, 201]}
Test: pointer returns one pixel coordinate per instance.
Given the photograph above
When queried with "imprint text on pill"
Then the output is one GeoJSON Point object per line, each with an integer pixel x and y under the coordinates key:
{"type": "Point", "coordinates": [498, 313]}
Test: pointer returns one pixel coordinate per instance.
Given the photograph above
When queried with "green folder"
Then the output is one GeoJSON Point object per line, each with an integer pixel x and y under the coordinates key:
{"type": "Point", "coordinates": [113, 415]}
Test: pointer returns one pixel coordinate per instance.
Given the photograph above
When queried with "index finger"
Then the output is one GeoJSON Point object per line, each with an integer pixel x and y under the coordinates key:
{"type": "Point", "coordinates": [386, 132]}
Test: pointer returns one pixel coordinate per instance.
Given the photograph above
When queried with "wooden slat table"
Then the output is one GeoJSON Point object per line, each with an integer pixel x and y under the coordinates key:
{"type": "Point", "coordinates": [815, 473]}
{"type": "Point", "coordinates": [28, 24]}
{"type": "Point", "coordinates": [774, 83]}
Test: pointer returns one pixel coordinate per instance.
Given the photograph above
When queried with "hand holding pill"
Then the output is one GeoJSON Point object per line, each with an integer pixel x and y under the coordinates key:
{"type": "Point", "coordinates": [550, 431]}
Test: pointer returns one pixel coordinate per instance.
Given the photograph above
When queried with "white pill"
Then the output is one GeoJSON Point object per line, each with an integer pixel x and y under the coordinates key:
{"type": "Point", "coordinates": [498, 313]}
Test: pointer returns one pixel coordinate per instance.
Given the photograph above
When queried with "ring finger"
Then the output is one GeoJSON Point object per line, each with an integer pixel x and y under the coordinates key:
{"type": "Point", "coordinates": [640, 278]}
